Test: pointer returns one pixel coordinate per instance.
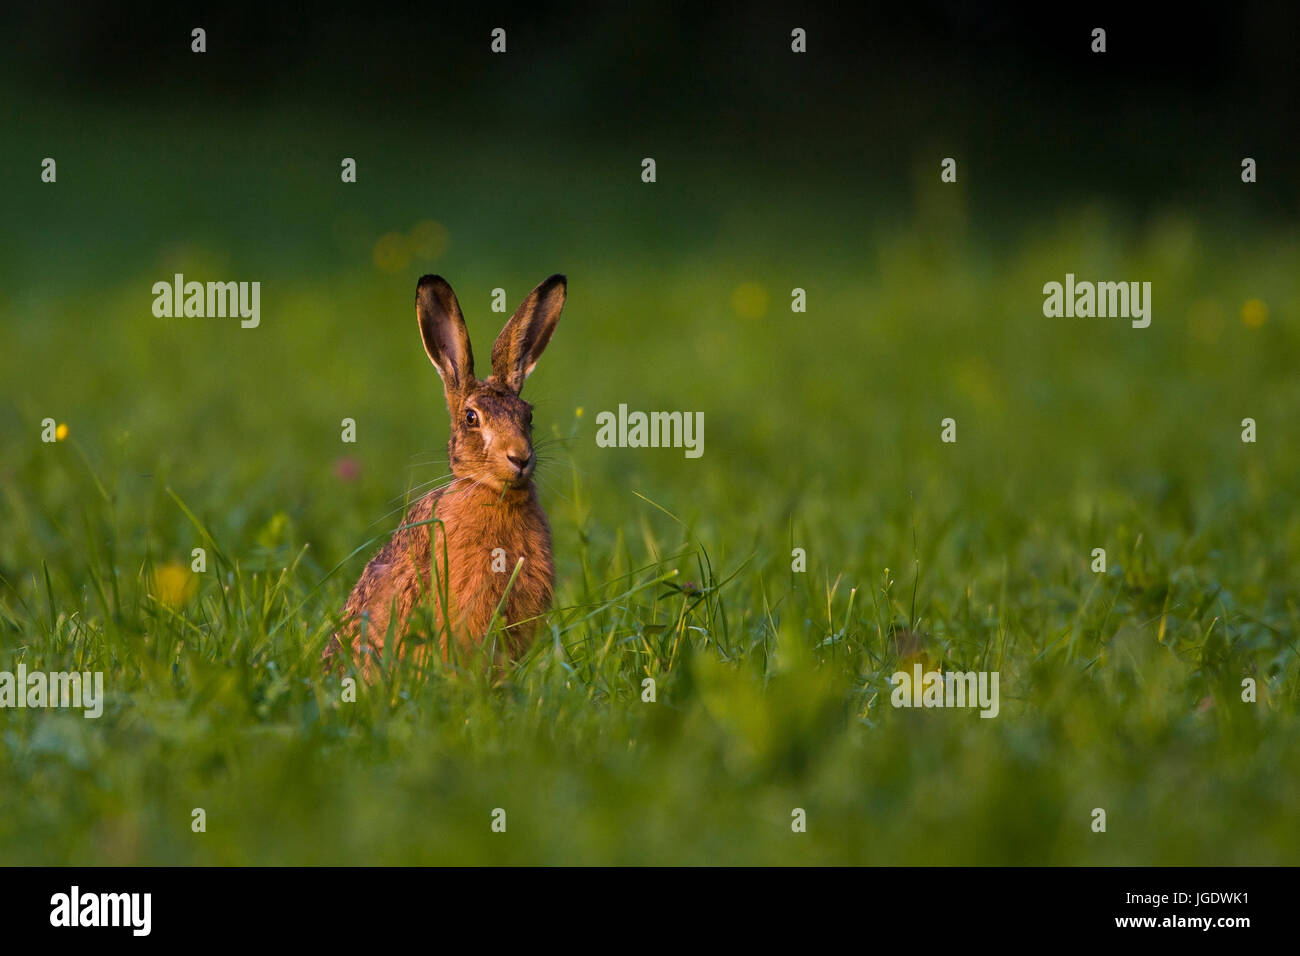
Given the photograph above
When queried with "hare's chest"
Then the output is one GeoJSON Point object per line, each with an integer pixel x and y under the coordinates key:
{"type": "Point", "coordinates": [484, 546]}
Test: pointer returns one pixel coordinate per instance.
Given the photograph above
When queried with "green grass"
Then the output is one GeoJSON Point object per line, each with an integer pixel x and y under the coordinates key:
{"type": "Point", "coordinates": [1119, 690]}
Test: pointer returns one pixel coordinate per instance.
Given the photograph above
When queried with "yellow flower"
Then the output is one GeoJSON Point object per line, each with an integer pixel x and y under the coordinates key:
{"type": "Point", "coordinates": [174, 584]}
{"type": "Point", "coordinates": [577, 412]}
{"type": "Point", "coordinates": [61, 432]}
{"type": "Point", "coordinates": [1254, 313]}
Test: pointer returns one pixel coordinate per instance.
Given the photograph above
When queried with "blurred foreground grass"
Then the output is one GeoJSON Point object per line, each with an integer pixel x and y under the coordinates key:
{"type": "Point", "coordinates": [1119, 690]}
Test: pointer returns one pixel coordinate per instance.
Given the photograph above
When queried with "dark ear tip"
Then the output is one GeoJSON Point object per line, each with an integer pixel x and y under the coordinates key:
{"type": "Point", "coordinates": [434, 282]}
{"type": "Point", "coordinates": [435, 287]}
{"type": "Point", "coordinates": [558, 279]}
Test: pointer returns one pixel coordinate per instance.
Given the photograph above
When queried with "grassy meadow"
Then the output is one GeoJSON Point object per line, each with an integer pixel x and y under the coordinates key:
{"type": "Point", "coordinates": [1119, 690]}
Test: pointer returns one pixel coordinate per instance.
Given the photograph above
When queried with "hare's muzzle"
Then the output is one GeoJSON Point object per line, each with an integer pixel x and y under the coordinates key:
{"type": "Point", "coordinates": [522, 460]}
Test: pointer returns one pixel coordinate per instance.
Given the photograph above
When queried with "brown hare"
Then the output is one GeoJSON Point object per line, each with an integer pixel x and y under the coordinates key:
{"type": "Point", "coordinates": [490, 504]}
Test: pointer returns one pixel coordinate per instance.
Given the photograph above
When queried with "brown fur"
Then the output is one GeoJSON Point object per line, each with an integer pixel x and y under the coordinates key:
{"type": "Point", "coordinates": [492, 502]}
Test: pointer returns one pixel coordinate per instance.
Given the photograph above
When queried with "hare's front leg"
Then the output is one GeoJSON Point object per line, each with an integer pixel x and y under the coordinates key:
{"type": "Point", "coordinates": [394, 584]}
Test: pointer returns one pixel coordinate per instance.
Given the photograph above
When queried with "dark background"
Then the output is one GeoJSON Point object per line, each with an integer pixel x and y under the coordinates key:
{"type": "Point", "coordinates": [1178, 92]}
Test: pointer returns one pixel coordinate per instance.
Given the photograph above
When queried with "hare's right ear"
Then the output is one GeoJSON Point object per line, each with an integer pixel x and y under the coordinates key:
{"type": "Point", "coordinates": [442, 327]}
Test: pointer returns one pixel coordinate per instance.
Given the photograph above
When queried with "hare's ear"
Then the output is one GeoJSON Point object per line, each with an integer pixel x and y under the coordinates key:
{"type": "Point", "coordinates": [445, 337]}
{"type": "Point", "coordinates": [520, 343]}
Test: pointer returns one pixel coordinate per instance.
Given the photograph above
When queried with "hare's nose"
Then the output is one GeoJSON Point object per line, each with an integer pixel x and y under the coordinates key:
{"type": "Point", "coordinates": [520, 459]}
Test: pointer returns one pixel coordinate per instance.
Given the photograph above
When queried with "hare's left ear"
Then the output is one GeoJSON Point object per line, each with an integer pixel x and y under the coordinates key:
{"type": "Point", "coordinates": [521, 342]}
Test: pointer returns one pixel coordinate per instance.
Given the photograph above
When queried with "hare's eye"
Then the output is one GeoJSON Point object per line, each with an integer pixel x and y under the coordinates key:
{"type": "Point", "coordinates": [471, 418]}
